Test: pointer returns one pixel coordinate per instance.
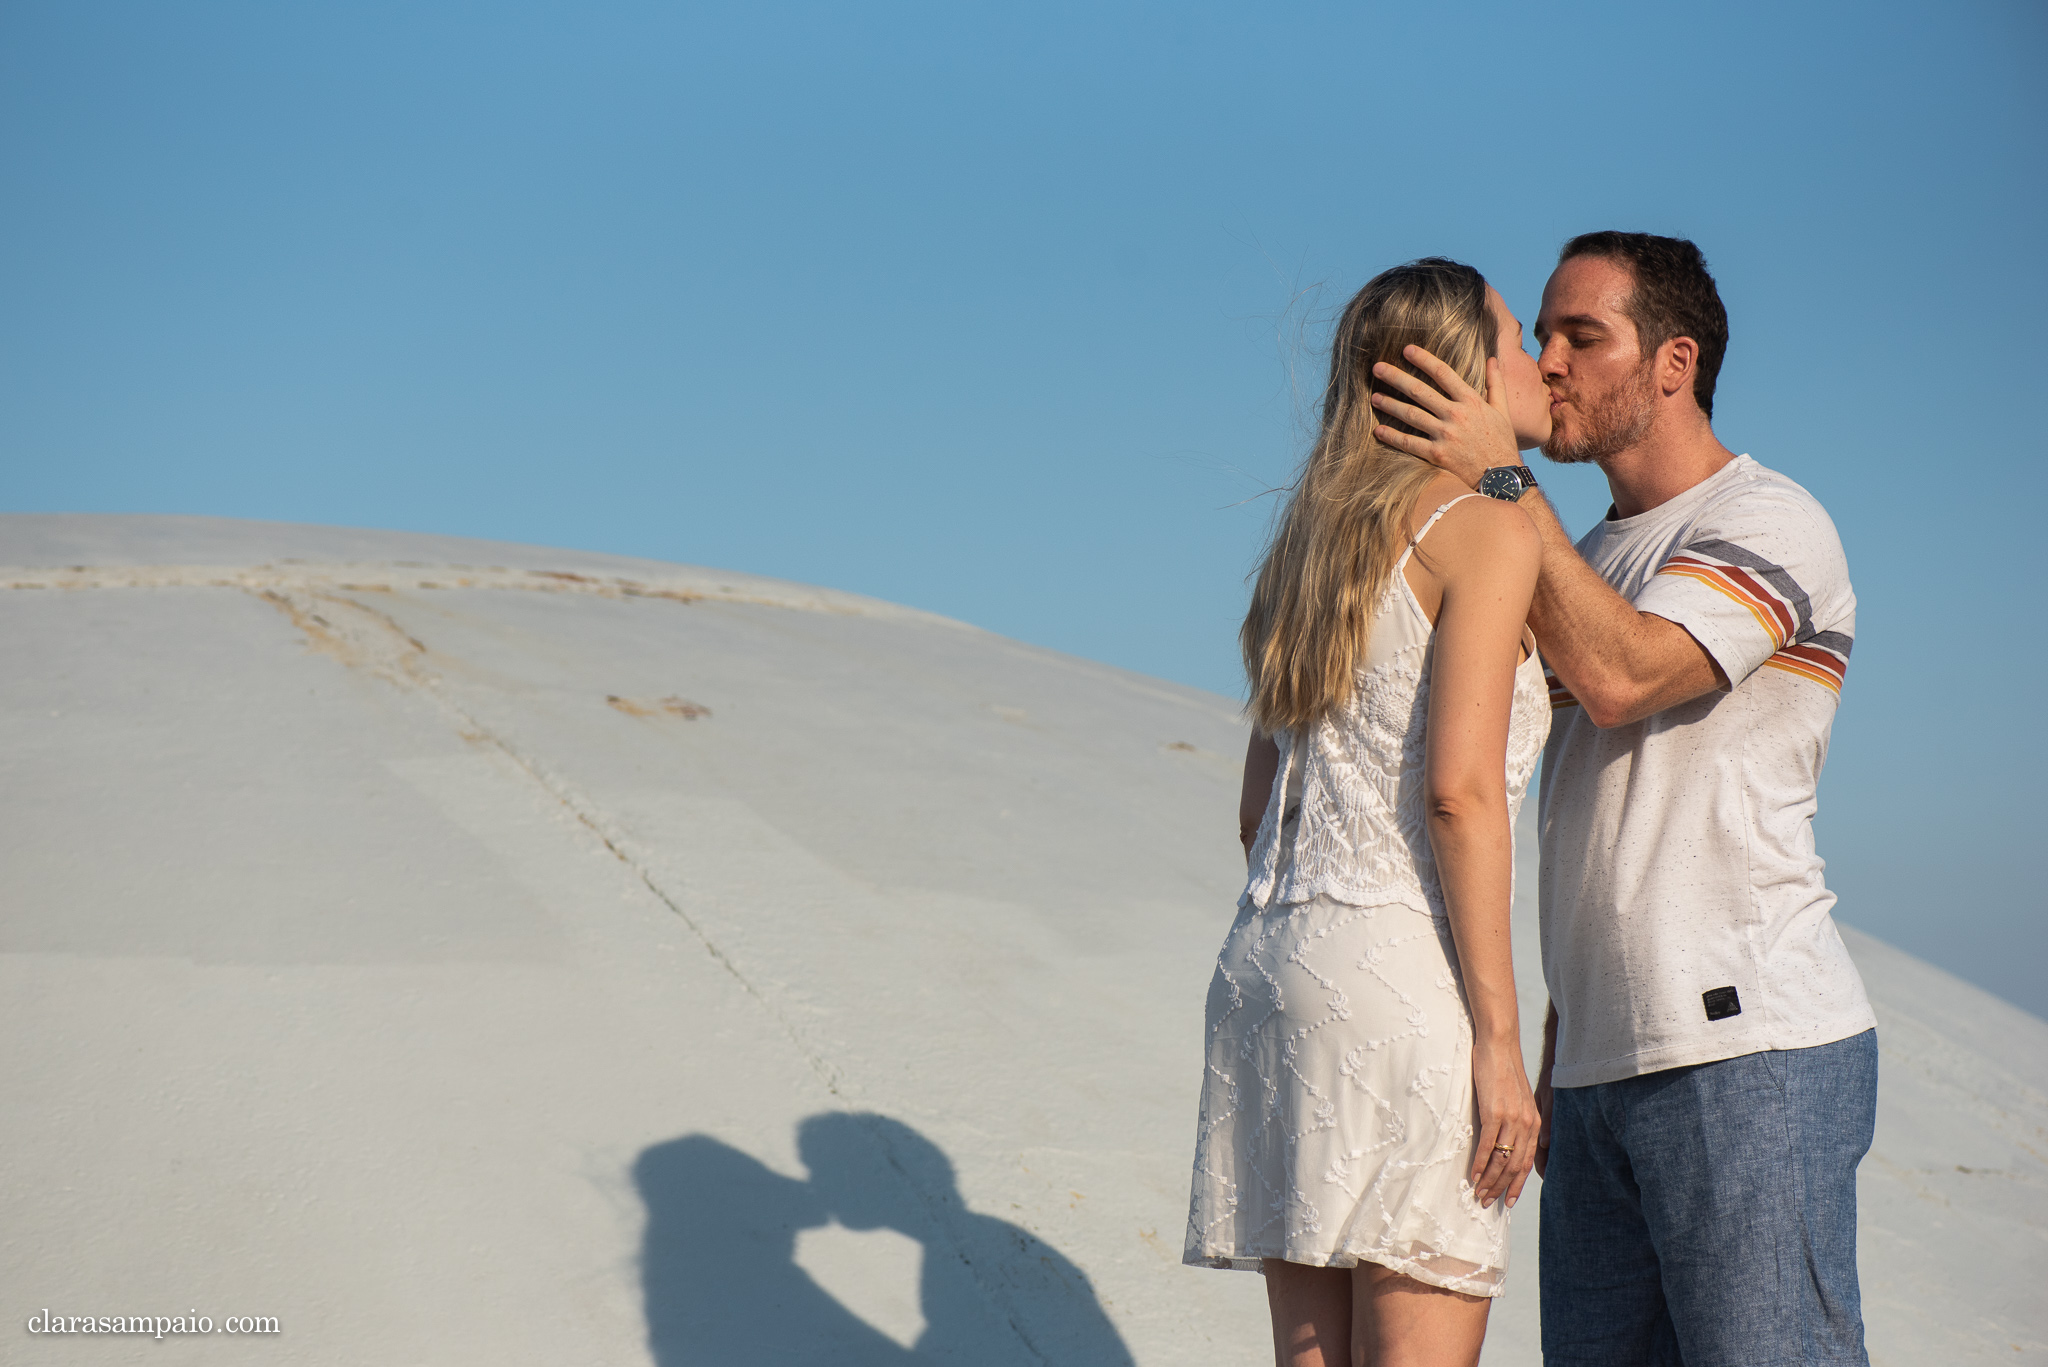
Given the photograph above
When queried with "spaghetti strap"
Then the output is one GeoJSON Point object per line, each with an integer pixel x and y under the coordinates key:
{"type": "Point", "coordinates": [1416, 540]}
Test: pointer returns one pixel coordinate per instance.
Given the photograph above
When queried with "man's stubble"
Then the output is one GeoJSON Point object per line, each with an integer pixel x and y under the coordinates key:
{"type": "Point", "coordinates": [1619, 420]}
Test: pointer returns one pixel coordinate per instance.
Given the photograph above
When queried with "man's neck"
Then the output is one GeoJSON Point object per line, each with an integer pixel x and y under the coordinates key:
{"type": "Point", "coordinates": [1662, 466]}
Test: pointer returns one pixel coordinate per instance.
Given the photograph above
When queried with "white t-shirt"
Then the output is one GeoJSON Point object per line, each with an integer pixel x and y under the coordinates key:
{"type": "Point", "coordinates": [1684, 914]}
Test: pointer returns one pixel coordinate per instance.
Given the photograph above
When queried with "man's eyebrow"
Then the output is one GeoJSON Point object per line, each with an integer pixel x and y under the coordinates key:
{"type": "Point", "coordinates": [1581, 320]}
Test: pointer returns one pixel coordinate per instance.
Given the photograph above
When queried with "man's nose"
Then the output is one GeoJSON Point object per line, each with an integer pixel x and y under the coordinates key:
{"type": "Point", "coordinates": [1550, 361]}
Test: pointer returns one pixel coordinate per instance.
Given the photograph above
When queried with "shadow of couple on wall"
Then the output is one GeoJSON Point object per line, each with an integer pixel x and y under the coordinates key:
{"type": "Point", "coordinates": [722, 1284]}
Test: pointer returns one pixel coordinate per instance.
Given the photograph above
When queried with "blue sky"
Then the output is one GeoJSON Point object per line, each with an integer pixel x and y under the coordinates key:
{"type": "Point", "coordinates": [1012, 315]}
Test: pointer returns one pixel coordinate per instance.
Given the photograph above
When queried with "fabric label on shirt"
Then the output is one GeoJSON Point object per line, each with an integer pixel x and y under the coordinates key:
{"type": "Point", "coordinates": [1721, 1003]}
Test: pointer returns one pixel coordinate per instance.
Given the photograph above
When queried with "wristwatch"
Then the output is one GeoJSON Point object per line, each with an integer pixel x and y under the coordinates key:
{"type": "Point", "coordinates": [1508, 482]}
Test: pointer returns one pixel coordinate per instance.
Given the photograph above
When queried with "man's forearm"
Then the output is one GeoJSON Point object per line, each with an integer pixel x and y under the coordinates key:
{"type": "Point", "coordinates": [1560, 556]}
{"type": "Point", "coordinates": [1579, 620]}
{"type": "Point", "coordinates": [1620, 664]}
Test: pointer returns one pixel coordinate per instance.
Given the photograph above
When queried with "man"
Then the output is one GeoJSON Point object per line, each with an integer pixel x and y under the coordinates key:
{"type": "Point", "coordinates": [1709, 1072]}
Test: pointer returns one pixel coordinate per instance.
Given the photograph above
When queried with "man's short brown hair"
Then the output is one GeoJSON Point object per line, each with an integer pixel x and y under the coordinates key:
{"type": "Point", "coordinates": [1674, 296]}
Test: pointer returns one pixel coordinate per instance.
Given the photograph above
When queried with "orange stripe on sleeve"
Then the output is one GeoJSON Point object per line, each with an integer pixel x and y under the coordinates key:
{"type": "Point", "coordinates": [1745, 589]}
{"type": "Point", "coordinates": [1787, 623]}
{"type": "Point", "coordinates": [1831, 682]}
{"type": "Point", "coordinates": [1708, 575]}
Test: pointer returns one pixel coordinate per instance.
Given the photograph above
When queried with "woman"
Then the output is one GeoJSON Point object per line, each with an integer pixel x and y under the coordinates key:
{"type": "Point", "coordinates": [1366, 1120]}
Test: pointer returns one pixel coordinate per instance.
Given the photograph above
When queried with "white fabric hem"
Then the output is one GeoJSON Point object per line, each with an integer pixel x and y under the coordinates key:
{"type": "Point", "coordinates": [1364, 899]}
{"type": "Point", "coordinates": [1451, 1274]}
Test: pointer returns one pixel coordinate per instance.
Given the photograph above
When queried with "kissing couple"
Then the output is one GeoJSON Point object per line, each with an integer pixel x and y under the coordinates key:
{"type": "Point", "coordinates": [1422, 631]}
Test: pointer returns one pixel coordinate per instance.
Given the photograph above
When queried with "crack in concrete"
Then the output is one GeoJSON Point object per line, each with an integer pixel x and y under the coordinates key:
{"type": "Point", "coordinates": [360, 637]}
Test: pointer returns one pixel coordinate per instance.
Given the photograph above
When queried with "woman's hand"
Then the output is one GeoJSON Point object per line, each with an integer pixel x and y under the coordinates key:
{"type": "Point", "coordinates": [1464, 433]}
{"type": "Point", "coordinates": [1507, 1120]}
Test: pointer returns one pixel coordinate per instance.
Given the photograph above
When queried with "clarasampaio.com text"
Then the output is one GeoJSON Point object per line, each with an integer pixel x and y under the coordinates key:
{"type": "Point", "coordinates": [155, 1326]}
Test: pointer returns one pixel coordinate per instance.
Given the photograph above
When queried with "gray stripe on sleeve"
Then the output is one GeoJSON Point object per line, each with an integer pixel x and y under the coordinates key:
{"type": "Point", "coordinates": [1774, 575]}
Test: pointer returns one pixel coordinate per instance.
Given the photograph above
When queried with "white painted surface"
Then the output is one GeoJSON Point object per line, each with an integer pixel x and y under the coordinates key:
{"type": "Point", "coordinates": [411, 964]}
{"type": "Point", "coordinates": [874, 1273]}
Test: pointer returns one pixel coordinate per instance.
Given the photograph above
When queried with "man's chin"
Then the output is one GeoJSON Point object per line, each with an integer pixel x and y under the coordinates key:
{"type": "Point", "coordinates": [1559, 452]}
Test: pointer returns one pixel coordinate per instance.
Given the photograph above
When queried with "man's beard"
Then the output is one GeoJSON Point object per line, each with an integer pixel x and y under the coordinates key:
{"type": "Point", "coordinates": [1618, 421]}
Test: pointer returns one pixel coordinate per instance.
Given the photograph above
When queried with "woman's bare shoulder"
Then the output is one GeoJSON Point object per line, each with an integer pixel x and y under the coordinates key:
{"type": "Point", "coordinates": [1486, 534]}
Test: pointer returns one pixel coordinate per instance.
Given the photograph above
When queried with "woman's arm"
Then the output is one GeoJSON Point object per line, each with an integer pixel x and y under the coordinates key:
{"type": "Point", "coordinates": [1486, 555]}
{"type": "Point", "coordinates": [1261, 763]}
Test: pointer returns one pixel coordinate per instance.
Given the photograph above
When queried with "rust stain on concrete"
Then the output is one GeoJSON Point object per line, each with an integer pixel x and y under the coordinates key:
{"type": "Point", "coordinates": [671, 705]}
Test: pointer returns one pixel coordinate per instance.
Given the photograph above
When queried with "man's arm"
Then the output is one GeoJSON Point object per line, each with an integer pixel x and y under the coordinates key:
{"type": "Point", "coordinates": [1620, 664]}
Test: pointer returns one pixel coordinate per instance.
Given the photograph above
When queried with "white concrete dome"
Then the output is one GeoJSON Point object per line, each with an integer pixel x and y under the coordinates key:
{"type": "Point", "coordinates": [473, 953]}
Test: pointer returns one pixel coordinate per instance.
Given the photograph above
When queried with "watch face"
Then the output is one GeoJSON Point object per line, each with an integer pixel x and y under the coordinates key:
{"type": "Point", "coordinates": [1501, 482]}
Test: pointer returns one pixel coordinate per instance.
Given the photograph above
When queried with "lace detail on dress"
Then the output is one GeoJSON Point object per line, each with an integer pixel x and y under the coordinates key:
{"type": "Point", "coordinates": [1360, 834]}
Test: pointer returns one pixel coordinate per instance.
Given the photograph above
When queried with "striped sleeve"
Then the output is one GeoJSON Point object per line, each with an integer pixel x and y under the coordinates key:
{"type": "Point", "coordinates": [1767, 591]}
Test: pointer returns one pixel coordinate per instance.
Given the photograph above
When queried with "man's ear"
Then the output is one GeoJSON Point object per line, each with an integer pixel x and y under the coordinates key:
{"type": "Point", "coordinates": [1675, 362]}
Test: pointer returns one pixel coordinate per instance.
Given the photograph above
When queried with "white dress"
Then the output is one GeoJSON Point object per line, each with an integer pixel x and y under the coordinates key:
{"type": "Point", "coordinates": [1338, 1117]}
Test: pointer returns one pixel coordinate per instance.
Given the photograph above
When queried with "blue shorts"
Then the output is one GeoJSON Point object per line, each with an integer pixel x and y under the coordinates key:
{"type": "Point", "coordinates": [1706, 1216]}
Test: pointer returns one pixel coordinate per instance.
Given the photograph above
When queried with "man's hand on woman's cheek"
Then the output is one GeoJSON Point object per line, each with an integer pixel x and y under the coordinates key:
{"type": "Point", "coordinates": [1462, 432]}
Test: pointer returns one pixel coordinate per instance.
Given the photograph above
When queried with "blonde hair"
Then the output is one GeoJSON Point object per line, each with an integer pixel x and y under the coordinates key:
{"type": "Point", "coordinates": [1346, 524]}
